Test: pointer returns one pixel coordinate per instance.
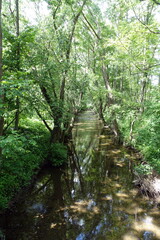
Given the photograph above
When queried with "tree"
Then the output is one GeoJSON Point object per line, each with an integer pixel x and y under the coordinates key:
{"type": "Point", "coordinates": [18, 65]}
{"type": "Point", "coordinates": [1, 74]}
{"type": "Point", "coordinates": [54, 74]}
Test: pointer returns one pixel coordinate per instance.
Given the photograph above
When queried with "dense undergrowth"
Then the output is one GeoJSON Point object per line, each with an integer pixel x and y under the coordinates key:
{"type": "Point", "coordinates": [23, 152]}
{"type": "Point", "coordinates": [146, 133]}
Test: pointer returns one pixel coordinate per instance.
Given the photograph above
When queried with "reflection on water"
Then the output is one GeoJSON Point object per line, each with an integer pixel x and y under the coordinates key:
{"type": "Point", "coordinates": [92, 199]}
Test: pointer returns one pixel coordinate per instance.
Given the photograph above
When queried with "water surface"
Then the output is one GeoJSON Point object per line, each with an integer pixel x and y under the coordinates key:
{"type": "Point", "coordinates": [93, 199]}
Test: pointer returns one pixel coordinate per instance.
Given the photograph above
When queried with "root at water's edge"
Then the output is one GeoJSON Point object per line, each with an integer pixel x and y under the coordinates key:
{"type": "Point", "coordinates": [149, 186]}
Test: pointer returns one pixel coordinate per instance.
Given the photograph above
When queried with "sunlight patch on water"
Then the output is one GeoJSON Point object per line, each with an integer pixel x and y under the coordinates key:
{"type": "Point", "coordinates": [85, 206]}
{"type": "Point", "coordinates": [102, 136]}
{"type": "Point", "coordinates": [107, 198]}
{"type": "Point", "coordinates": [122, 195]}
{"type": "Point", "coordinates": [120, 164]}
{"type": "Point", "coordinates": [129, 236]}
{"type": "Point", "coordinates": [146, 224]}
{"type": "Point", "coordinates": [105, 144]}
{"type": "Point", "coordinates": [116, 151]}
{"type": "Point", "coordinates": [53, 225]}
{"type": "Point", "coordinates": [117, 185]}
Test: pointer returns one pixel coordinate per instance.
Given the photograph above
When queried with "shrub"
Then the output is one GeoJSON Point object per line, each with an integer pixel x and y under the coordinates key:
{"type": "Point", "coordinates": [22, 154]}
{"type": "Point", "coordinates": [146, 131]}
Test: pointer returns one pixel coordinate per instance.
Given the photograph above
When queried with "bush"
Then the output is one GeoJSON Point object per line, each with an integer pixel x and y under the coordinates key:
{"type": "Point", "coordinates": [145, 169]}
{"type": "Point", "coordinates": [146, 131]}
{"type": "Point", "coordinates": [22, 154]}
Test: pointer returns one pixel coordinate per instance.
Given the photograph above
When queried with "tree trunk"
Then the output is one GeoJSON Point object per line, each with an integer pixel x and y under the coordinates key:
{"type": "Point", "coordinates": [18, 65]}
{"type": "Point", "coordinates": [131, 130]}
{"type": "Point", "coordinates": [17, 114]}
{"type": "Point", "coordinates": [68, 51]}
{"type": "Point", "coordinates": [57, 132]}
{"type": "Point", "coordinates": [1, 73]}
{"type": "Point", "coordinates": [116, 130]}
{"type": "Point", "coordinates": [107, 85]}
{"type": "Point", "coordinates": [101, 111]}
{"type": "Point", "coordinates": [143, 92]}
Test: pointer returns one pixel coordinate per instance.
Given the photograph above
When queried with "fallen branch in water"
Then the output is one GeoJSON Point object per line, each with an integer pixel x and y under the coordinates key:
{"type": "Point", "coordinates": [148, 185]}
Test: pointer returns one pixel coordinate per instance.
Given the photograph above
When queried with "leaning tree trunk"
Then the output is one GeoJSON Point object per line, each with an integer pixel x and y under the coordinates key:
{"type": "Point", "coordinates": [111, 101]}
{"type": "Point", "coordinates": [101, 111]}
{"type": "Point", "coordinates": [57, 131]}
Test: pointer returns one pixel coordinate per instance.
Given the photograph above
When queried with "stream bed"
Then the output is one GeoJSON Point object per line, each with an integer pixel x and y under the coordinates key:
{"type": "Point", "coordinates": [92, 199]}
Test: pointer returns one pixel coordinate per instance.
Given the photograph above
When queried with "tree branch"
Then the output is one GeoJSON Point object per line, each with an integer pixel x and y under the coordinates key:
{"type": "Point", "coordinates": [50, 75]}
{"type": "Point", "coordinates": [75, 20]}
{"type": "Point", "coordinates": [44, 121]}
{"type": "Point", "coordinates": [11, 122]}
{"type": "Point", "coordinates": [90, 26]}
{"type": "Point", "coordinates": [54, 15]}
{"type": "Point", "coordinates": [45, 94]}
{"type": "Point", "coordinates": [145, 25]}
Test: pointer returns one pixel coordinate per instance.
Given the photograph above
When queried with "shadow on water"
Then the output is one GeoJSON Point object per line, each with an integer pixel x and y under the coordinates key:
{"type": "Point", "coordinates": [92, 199]}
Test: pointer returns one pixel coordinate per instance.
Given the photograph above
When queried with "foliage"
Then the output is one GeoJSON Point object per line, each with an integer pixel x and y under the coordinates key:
{"type": "Point", "coordinates": [146, 131]}
{"type": "Point", "coordinates": [58, 154]}
{"type": "Point", "coordinates": [23, 152]}
{"type": "Point", "coordinates": [145, 169]}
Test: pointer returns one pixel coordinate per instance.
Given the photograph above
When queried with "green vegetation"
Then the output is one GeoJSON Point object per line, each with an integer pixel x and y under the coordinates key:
{"type": "Point", "coordinates": [71, 60]}
{"type": "Point", "coordinates": [58, 154]}
{"type": "Point", "coordinates": [145, 134]}
{"type": "Point", "coordinates": [22, 154]}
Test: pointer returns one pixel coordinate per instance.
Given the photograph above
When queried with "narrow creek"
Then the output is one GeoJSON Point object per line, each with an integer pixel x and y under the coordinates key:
{"type": "Point", "coordinates": [92, 199]}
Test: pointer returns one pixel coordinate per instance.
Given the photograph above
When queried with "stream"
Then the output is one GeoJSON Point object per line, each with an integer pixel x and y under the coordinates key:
{"type": "Point", "coordinates": [92, 199]}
